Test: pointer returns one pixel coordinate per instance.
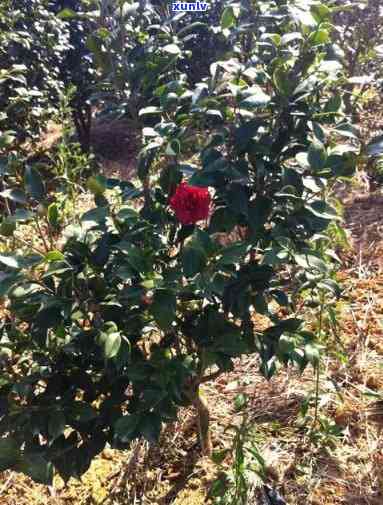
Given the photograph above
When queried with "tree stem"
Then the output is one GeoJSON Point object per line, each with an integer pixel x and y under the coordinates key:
{"type": "Point", "coordinates": [203, 417]}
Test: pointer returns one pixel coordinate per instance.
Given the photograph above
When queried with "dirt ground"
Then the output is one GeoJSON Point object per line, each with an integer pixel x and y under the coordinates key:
{"type": "Point", "coordinates": [112, 142]}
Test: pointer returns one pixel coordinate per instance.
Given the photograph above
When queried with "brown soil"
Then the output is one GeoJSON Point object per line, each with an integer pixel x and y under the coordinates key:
{"type": "Point", "coordinates": [117, 146]}
{"type": "Point", "coordinates": [364, 218]}
{"type": "Point", "coordinates": [113, 142]}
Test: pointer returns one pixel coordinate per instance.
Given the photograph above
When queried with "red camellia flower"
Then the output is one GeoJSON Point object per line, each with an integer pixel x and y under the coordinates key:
{"type": "Point", "coordinates": [190, 203]}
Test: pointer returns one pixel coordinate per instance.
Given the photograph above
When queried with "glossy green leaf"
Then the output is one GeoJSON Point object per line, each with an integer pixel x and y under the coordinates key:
{"type": "Point", "coordinates": [9, 453]}
{"type": "Point", "coordinates": [16, 195]}
{"type": "Point", "coordinates": [150, 427]}
{"type": "Point", "coordinates": [56, 424]}
{"type": "Point", "coordinates": [35, 466]}
{"type": "Point", "coordinates": [258, 99]}
{"type": "Point", "coordinates": [53, 215]}
{"type": "Point", "coordinates": [322, 209]}
{"type": "Point", "coordinates": [126, 427]}
{"type": "Point", "coordinates": [33, 183]}
{"type": "Point", "coordinates": [317, 156]}
{"type": "Point", "coordinates": [375, 147]}
{"type": "Point", "coordinates": [283, 81]}
{"type": "Point", "coordinates": [228, 18]}
{"type": "Point", "coordinates": [311, 262]}
{"type": "Point", "coordinates": [67, 14]}
{"type": "Point", "coordinates": [172, 49]}
{"type": "Point", "coordinates": [163, 308]}
{"type": "Point", "coordinates": [81, 412]}
{"type": "Point", "coordinates": [193, 261]}
{"type": "Point", "coordinates": [112, 344]}
{"type": "Point", "coordinates": [54, 256]}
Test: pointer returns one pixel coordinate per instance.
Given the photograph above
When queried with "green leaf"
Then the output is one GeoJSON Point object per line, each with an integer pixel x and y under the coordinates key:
{"type": "Point", "coordinates": [67, 14]}
{"type": "Point", "coordinates": [8, 282]}
{"type": "Point", "coordinates": [214, 114]}
{"type": "Point", "coordinates": [11, 261]}
{"type": "Point", "coordinates": [16, 195]}
{"type": "Point", "coordinates": [101, 58]}
{"type": "Point", "coordinates": [322, 209]}
{"type": "Point", "coordinates": [219, 456]}
{"type": "Point", "coordinates": [375, 147]}
{"type": "Point", "coordinates": [127, 215]}
{"type": "Point", "coordinates": [237, 199]}
{"type": "Point", "coordinates": [53, 215]}
{"type": "Point", "coordinates": [281, 297]}
{"type": "Point", "coordinates": [18, 262]}
{"type": "Point", "coordinates": [259, 212]}
{"type": "Point", "coordinates": [255, 100]}
{"type": "Point", "coordinates": [283, 81]}
{"type": "Point", "coordinates": [9, 453]}
{"type": "Point", "coordinates": [312, 355]}
{"type": "Point", "coordinates": [22, 215]}
{"type": "Point", "coordinates": [81, 412]}
{"type": "Point", "coordinates": [290, 37]}
{"type": "Point", "coordinates": [222, 221]}
{"type": "Point", "coordinates": [170, 177]}
{"type": "Point", "coordinates": [317, 156]}
{"type": "Point", "coordinates": [230, 343]}
{"type": "Point", "coordinates": [240, 401]}
{"type": "Point", "coordinates": [228, 18]}
{"type": "Point", "coordinates": [96, 184]}
{"type": "Point", "coordinates": [233, 253]}
{"type": "Point", "coordinates": [274, 37]}
{"type": "Point", "coordinates": [112, 344]}
{"type": "Point", "coordinates": [330, 286]}
{"type": "Point", "coordinates": [48, 317]}
{"type": "Point", "coordinates": [33, 183]}
{"type": "Point", "coordinates": [260, 304]}
{"type": "Point", "coordinates": [126, 427]}
{"type": "Point", "coordinates": [193, 261]}
{"type": "Point", "coordinates": [54, 256]}
{"type": "Point", "coordinates": [172, 49]}
{"type": "Point", "coordinates": [56, 424]}
{"type": "Point", "coordinates": [173, 148]}
{"type": "Point", "coordinates": [150, 427]}
{"type": "Point", "coordinates": [310, 262]}
{"type": "Point", "coordinates": [334, 104]}
{"type": "Point", "coordinates": [319, 37]}
{"type": "Point", "coordinates": [136, 257]}
{"type": "Point", "coordinates": [6, 139]}
{"type": "Point", "coordinates": [342, 166]}
{"type": "Point", "coordinates": [163, 308]}
{"type": "Point", "coordinates": [7, 227]}
{"type": "Point", "coordinates": [146, 111]}
{"type": "Point", "coordinates": [313, 184]}
{"type": "Point", "coordinates": [36, 467]}
{"type": "Point", "coordinates": [321, 12]}
{"type": "Point", "coordinates": [95, 217]}
{"type": "Point", "coordinates": [190, 28]}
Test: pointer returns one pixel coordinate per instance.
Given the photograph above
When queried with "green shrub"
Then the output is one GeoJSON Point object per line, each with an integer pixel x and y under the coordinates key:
{"type": "Point", "coordinates": [110, 333]}
{"type": "Point", "coordinates": [32, 43]}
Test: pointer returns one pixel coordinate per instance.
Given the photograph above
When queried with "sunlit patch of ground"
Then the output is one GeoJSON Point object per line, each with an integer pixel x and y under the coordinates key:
{"type": "Point", "coordinates": [113, 142]}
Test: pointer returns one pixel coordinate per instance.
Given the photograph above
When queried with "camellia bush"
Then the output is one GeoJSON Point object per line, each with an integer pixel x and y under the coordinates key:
{"type": "Point", "coordinates": [42, 43]}
{"type": "Point", "coordinates": [32, 45]}
{"type": "Point", "coordinates": [114, 322]}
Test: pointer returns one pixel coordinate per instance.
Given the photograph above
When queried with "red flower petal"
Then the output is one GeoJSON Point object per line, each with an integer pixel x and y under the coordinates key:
{"type": "Point", "coordinates": [190, 203]}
